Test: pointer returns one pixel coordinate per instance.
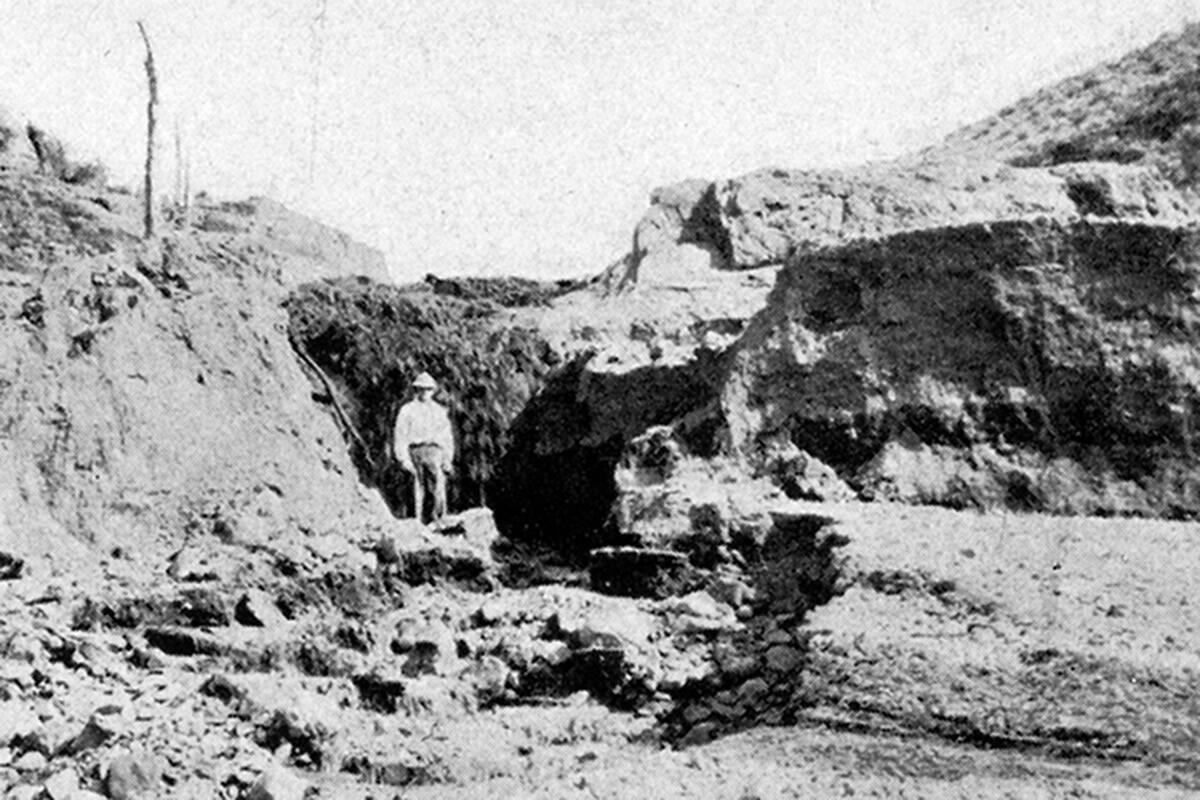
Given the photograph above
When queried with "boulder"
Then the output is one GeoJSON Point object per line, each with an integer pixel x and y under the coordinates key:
{"type": "Point", "coordinates": [277, 783]}
{"type": "Point", "coordinates": [133, 775]}
{"type": "Point", "coordinates": [475, 526]}
{"type": "Point", "coordinates": [62, 785]}
{"type": "Point", "coordinates": [17, 722]}
{"type": "Point", "coordinates": [10, 567]}
{"type": "Point", "coordinates": [428, 649]}
{"type": "Point", "coordinates": [462, 554]}
{"type": "Point", "coordinates": [258, 609]}
{"type": "Point", "coordinates": [700, 613]}
{"type": "Point", "coordinates": [31, 761]}
{"type": "Point", "coordinates": [489, 677]}
{"type": "Point", "coordinates": [103, 725]}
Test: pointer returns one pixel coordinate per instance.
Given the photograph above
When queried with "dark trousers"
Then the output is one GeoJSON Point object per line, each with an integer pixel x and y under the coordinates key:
{"type": "Point", "coordinates": [428, 481]}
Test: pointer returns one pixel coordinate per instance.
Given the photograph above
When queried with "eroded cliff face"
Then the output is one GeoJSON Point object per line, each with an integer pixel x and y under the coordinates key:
{"type": "Point", "coordinates": [370, 340]}
{"type": "Point", "coordinates": [1041, 363]}
{"type": "Point", "coordinates": [148, 391]}
{"type": "Point", "coordinates": [1005, 319]}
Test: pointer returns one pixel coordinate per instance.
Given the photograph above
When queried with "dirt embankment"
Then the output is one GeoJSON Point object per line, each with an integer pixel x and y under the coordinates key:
{"type": "Point", "coordinates": [1035, 364]}
{"type": "Point", "coordinates": [149, 389]}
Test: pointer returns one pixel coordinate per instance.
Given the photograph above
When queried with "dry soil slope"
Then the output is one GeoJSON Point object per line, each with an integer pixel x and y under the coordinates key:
{"type": "Point", "coordinates": [148, 389]}
{"type": "Point", "coordinates": [1141, 108]}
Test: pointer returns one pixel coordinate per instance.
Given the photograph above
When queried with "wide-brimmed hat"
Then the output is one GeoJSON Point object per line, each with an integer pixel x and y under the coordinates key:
{"type": "Point", "coordinates": [424, 381]}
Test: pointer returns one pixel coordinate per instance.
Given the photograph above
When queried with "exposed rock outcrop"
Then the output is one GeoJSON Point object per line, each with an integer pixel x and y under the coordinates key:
{"type": "Point", "coordinates": [1031, 363]}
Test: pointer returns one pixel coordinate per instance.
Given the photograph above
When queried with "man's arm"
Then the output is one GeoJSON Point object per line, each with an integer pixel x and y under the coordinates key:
{"type": "Point", "coordinates": [446, 441]}
{"type": "Point", "coordinates": [402, 438]}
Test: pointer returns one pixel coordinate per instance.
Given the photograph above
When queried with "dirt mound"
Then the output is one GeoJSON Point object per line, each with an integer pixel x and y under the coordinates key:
{"type": "Point", "coordinates": [148, 390]}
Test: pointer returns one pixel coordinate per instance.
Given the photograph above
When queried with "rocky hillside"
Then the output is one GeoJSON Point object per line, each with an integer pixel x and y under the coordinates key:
{"type": "Point", "coordinates": [1037, 363]}
{"type": "Point", "coordinates": [148, 389]}
{"type": "Point", "coordinates": [1143, 108]}
{"type": "Point", "coordinates": [1002, 320]}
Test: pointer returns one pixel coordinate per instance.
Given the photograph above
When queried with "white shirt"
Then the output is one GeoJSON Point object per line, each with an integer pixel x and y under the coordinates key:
{"type": "Point", "coordinates": [423, 422]}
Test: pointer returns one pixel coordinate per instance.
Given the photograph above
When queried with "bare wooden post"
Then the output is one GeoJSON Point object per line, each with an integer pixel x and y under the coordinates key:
{"type": "Point", "coordinates": [177, 198]}
{"type": "Point", "coordinates": [187, 186]}
{"type": "Point", "coordinates": [152, 81]}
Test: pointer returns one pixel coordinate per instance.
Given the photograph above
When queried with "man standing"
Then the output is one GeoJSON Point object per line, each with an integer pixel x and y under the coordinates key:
{"type": "Point", "coordinates": [424, 444]}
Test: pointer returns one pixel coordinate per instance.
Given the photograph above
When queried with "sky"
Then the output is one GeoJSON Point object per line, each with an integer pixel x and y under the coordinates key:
{"type": "Point", "coordinates": [519, 137]}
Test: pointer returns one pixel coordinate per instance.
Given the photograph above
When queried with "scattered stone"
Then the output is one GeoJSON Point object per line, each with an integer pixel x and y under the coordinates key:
{"type": "Point", "coordinates": [750, 692]}
{"type": "Point", "coordinates": [419, 556]}
{"type": "Point", "coordinates": [612, 655]}
{"type": "Point", "coordinates": [224, 689]}
{"type": "Point", "coordinates": [431, 650]}
{"type": "Point", "coordinates": [653, 455]}
{"type": "Point", "coordinates": [430, 694]}
{"type": "Point", "coordinates": [802, 476]}
{"type": "Point", "coordinates": [105, 724]}
{"type": "Point", "coordinates": [17, 723]}
{"type": "Point", "coordinates": [699, 612]}
{"type": "Point", "coordinates": [699, 734]}
{"type": "Point", "coordinates": [258, 609]}
{"type": "Point", "coordinates": [183, 642]}
{"type": "Point", "coordinates": [397, 541]}
{"type": "Point", "coordinates": [783, 658]}
{"type": "Point", "coordinates": [10, 566]}
{"type": "Point", "coordinates": [199, 563]}
{"type": "Point", "coordinates": [63, 785]}
{"type": "Point", "coordinates": [489, 677]}
{"type": "Point", "coordinates": [731, 590]}
{"type": "Point", "coordinates": [277, 783]}
{"type": "Point", "coordinates": [491, 612]}
{"type": "Point", "coordinates": [615, 626]}
{"type": "Point", "coordinates": [23, 792]}
{"type": "Point", "coordinates": [699, 604]}
{"type": "Point", "coordinates": [388, 772]}
{"type": "Point", "coordinates": [32, 761]}
{"type": "Point", "coordinates": [135, 775]}
{"type": "Point", "coordinates": [380, 692]}
{"type": "Point", "coordinates": [552, 652]}
{"type": "Point", "coordinates": [305, 738]}
{"type": "Point", "coordinates": [477, 527]}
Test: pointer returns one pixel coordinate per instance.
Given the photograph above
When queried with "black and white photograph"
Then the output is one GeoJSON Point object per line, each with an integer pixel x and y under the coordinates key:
{"type": "Point", "coordinates": [599, 399]}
